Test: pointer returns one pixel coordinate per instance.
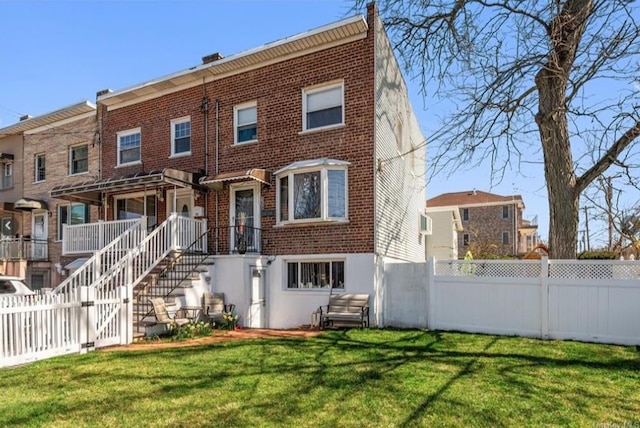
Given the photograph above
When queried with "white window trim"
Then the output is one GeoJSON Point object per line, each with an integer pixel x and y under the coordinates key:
{"type": "Point", "coordinates": [468, 239]}
{"type": "Point", "coordinates": [175, 122]}
{"type": "Point", "coordinates": [8, 167]}
{"type": "Point", "coordinates": [320, 88]}
{"type": "Point", "coordinates": [324, 204]}
{"type": "Point", "coordinates": [58, 224]}
{"type": "Point", "coordinates": [124, 134]}
{"type": "Point", "coordinates": [508, 238]}
{"type": "Point", "coordinates": [72, 174]}
{"type": "Point", "coordinates": [312, 259]}
{"type": "Point", "coordinates": [503, 208]}
{"type": "Point", "coordinates": [35, 167]}
{"type": "Point", "coordinates": [235, 122]}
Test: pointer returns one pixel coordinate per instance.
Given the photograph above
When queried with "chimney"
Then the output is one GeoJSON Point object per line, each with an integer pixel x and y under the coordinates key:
{"type": "Point", "coordinates": [211, 58]}
{"type": "Point", "coordinates": [25, 117]}
{"type": "Point", "coordinates": [103, 92]}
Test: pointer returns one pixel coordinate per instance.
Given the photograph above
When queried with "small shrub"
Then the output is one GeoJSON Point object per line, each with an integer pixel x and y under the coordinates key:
{"type": "Point", "coordinates": [190, 331]}
{"type": "Point", "coordinates": [597, 255]}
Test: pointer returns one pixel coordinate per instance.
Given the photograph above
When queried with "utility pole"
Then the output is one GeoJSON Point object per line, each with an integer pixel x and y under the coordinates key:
{"type": "Point", "coordinates": [586, 224]}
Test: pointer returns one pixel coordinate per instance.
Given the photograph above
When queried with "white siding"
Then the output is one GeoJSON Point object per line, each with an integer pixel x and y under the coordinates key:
{"type": "Point", "coordinates": [442, 243]}
{"type": "Point", "coordinates": [400, 173]}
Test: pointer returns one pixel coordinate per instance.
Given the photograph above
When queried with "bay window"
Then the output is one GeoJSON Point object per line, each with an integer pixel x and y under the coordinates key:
{"type": "Point", "coordinates": [311, 191]}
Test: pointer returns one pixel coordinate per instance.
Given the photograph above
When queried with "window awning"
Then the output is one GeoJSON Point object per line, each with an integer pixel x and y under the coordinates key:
{"type": "Point", "coordinates": [215, 181]}
{"type": "Point", "coordinates": [91, 191]}
{"type": "Point", "coordinates": [6, 157]}
{"type": "Point", "coordinates": [28, 204]}
{"type": "Point", "coordinates": [311, 164]}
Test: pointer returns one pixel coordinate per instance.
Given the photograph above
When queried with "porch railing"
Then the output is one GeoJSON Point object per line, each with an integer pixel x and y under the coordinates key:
{"type": "Point", "coordinates": [91, 237]}
{"type": "Point", "coordinates": [24, 249]}
{"type": "Point", "coordinates": [104, 258]}
{"type": "Point", "coordinates": [236, 240]}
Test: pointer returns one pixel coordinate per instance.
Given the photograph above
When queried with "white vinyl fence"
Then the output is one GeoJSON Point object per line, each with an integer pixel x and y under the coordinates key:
{"type": "Point", "coordinates": [592, 301]}
{"type": "Point", "coordinates": [43, 326]}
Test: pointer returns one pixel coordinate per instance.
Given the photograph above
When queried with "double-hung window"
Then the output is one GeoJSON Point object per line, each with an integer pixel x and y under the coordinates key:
{"type": "Point", "coordinates": [245, 118]}
{"type": "Point", "coordinates": [505, 238]}
{"type": "Point", "coordinates": [323, 107]}
{"type": "Point", "coordinates": [315, 274]}
{"type": "Point", "coordinates": [70, 214]}
{"type": "Point", "coordinates": [311, 191]}
{"type": "Point", "coordinates": [129, 147]}
{"type": "Point", "coordinates": [505, 211]}
{"type": "Point", "coordinates": [465, 239]}
{"type": "Point", "coordinates": [7, 175]}
{"type": "Point", "coordinates": [78, 159]}
{"type": "Point", "coordinates": [465, 214]}
{"type": "Point", "coordinates": [40, 167]}
{"type": "Point", "coordinates": [181, 136]}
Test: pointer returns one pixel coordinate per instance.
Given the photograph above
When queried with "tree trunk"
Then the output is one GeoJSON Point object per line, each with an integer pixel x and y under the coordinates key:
{"type": "Point", "coordinates": [558, 166]}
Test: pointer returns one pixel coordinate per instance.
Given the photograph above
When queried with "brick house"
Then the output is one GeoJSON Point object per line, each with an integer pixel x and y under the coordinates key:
{"type": "Point", "coordinates": [491, 222]}
{"type": "Point", "coordinates": [56, 148]}
{"type": "Point", "coordinates": [303, 158]}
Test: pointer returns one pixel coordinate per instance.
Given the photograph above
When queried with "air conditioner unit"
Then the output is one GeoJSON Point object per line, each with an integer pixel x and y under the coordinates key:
{"type": "Point", "coordinates": [198, 211]}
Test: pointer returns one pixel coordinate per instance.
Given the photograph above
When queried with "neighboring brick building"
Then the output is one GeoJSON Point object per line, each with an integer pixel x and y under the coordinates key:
{"type": "Point", "coordinates": [491, 222]}
{"type": "Point", "coordinates": [56, 148]}
{"type": "Point", "coordinates": [307, 148]}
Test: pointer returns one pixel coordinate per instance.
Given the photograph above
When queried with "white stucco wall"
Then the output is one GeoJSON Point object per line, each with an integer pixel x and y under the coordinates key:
{"type": "Point", "coordinates": [287, 308]}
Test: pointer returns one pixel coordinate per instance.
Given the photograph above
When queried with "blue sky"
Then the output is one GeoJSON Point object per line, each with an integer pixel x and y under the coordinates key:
{"type": "Point", "coordinates": [56, 53]}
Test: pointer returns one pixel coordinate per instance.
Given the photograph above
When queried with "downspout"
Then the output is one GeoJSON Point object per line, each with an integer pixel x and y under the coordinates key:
{"type": "Point", "coordinates": [216, 155]}
{"type": "Point", "coordinates": [205, 109]}
{"type": "Point", "coordinates": [378, 261]}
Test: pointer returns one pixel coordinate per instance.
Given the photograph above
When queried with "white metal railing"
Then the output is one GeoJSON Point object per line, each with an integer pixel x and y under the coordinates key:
{"type": "Point", "coordinates": [104, 258]}
{"type": "Point", "coordinates": [90, 237]}
{"type": "Point", "coordinates": [24, 249]}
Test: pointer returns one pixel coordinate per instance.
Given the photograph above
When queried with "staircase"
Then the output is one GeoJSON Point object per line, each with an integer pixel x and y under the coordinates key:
{"type": "Point", "coordinates": [156, 264]}
{"type": "Point", "coordinates": [178, 279]}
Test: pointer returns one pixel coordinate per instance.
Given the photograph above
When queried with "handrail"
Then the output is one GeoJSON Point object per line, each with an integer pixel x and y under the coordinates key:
{"type": "Point", "coordinates": [92, 269]}
{"type": "Point", "coordinates": [189, 251]}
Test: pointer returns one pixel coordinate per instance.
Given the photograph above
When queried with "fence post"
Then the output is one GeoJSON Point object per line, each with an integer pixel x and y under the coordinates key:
{"type": "Point", "coordinates": [431, 316]}
{"type": "Point", "coordinates": [126, 313]}
{"type": "Point", "coordinates": [87, 319]}
{"type": "Point", "coordinates": [544, 297]}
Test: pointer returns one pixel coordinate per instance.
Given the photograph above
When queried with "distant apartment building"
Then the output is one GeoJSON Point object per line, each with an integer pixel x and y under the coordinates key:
{"type": "Point", "coordinates": [490, 222]}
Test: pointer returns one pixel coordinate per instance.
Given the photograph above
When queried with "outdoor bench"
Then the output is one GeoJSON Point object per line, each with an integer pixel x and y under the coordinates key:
{"type": "Point", "coordinates": [347, 309]}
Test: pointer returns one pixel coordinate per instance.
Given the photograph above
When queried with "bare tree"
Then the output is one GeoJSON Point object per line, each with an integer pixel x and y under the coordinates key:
{"type": "Point", "coordinates": [564, 73]}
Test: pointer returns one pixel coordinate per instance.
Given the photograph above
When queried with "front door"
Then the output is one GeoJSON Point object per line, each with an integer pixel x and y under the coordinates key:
{"type": "Point", "coordinates": [257, 306]}
{"type": "Point", "coordinates": [245, 220]}
{"type": "Point", "coordinates": [180, 202]}
{"type": "Point", "coordinates": [39, 239]}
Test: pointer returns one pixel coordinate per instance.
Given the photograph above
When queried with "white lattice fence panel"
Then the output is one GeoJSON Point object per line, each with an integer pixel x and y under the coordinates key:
{"type": "Point", "coordinates": [488, 268]}
{"type": "Point", "coordinates": [568, 269]}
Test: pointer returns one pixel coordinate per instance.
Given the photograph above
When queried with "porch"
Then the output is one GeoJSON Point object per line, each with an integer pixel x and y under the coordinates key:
{"type": "Point", "coordinates": [89, 238]}
{"type": "Point", "coordinates": [24, 248]}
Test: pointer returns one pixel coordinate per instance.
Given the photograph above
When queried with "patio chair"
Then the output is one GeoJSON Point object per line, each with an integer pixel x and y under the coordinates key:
{"type": "Point", "coordinates": [213, 307]}
{"type": "Point", "coordinates": [162, 315]}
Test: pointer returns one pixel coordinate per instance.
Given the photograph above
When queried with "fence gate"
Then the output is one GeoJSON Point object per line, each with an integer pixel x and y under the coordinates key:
{"type": "Point", "coordinates": [108, 316]}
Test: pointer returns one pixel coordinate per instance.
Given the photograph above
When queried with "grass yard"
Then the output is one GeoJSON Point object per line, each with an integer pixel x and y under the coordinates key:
{"type": "Point", "coordinates": [352, 378]}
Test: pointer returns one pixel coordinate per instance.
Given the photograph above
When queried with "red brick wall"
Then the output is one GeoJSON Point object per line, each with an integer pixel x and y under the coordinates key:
{"type": "Point", "coordinates": [277, 88]}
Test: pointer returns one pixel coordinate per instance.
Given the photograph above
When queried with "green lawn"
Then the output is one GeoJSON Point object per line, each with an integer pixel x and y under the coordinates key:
{"type": "Point", "coordinates": [378, 378]}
